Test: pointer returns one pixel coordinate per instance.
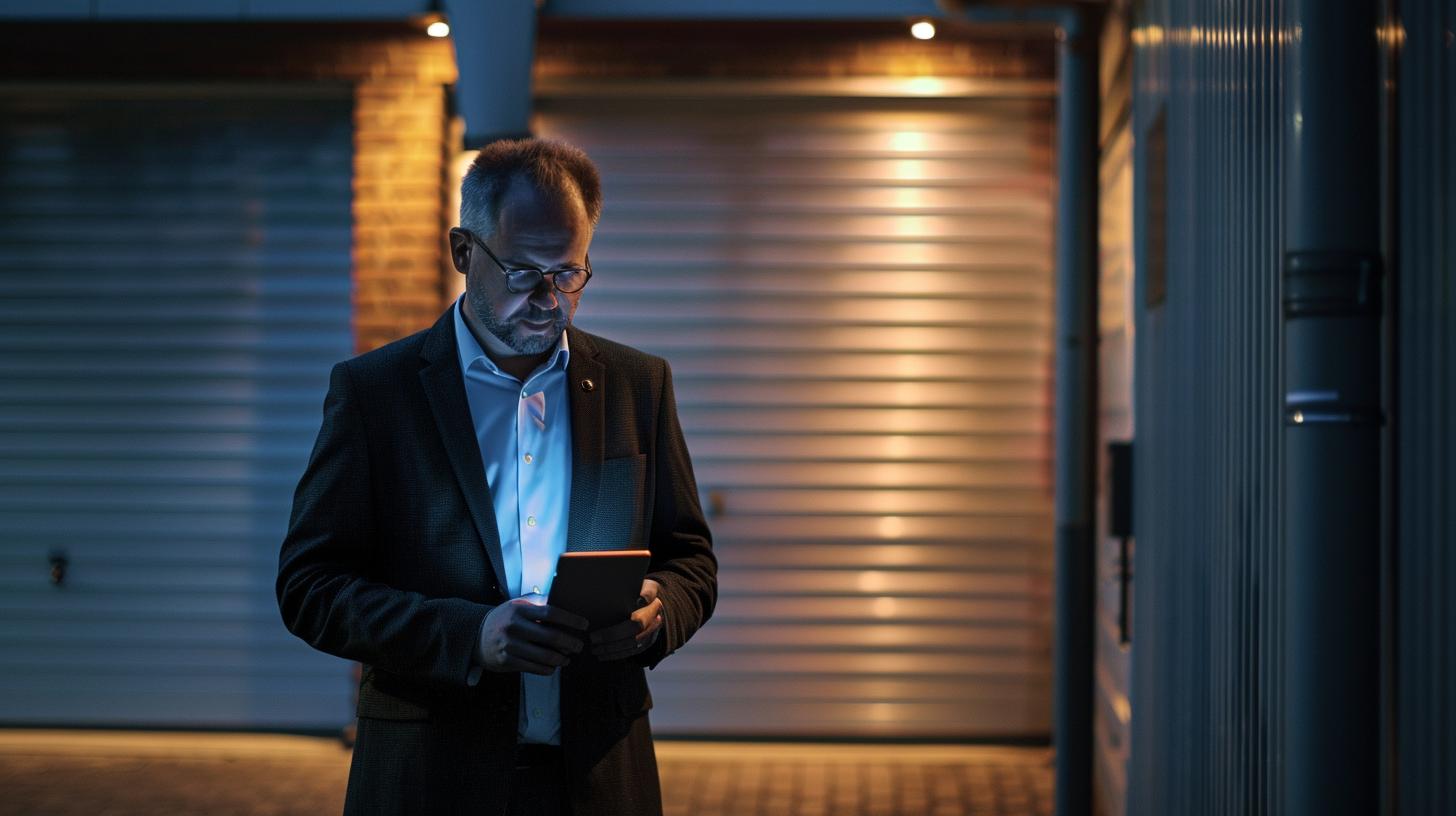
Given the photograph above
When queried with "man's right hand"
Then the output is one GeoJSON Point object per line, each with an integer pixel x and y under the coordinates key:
{"type": "Point", "coordinates": [519, 636]}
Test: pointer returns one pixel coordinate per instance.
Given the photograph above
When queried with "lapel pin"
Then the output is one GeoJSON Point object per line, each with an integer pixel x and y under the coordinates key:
{"type": "Point", "coordinates": [588, 385]}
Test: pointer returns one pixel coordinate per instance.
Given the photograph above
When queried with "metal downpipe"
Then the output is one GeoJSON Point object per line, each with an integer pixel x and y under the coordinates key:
{"type": "Point", "coordinates": [1332, 414]}
{"type": "Point", "coordinates": [1076, 405]}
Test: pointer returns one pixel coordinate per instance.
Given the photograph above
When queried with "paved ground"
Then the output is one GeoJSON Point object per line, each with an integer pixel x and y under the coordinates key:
{"type": "Point", "coordinates": [66, 773]}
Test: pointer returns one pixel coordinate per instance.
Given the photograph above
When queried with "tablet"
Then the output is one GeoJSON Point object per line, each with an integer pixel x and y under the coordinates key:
{"type": "Point", "coordinates": [600, 586]}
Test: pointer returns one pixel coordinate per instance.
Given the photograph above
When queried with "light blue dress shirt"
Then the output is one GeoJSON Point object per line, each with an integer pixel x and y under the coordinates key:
{"type": "Point", "coordinates": [524, 432]}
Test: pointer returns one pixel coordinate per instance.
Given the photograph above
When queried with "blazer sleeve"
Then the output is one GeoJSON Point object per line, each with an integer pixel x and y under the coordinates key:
{"type": "Point", "coordinates": [323, 593]}
{"type": "Point", "coordinates": [682, 546]}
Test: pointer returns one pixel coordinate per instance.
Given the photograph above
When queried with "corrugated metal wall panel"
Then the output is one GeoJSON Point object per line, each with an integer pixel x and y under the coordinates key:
{"type": "Point", "coordinates": [1425, 441]}
{"type": "Point", "coordinates": [1116, 307]}
{"type": "Point", "coordinates": [856, 298]}
{"type": "Point", "coordinates": [174, 284]}
{"type": "Point", "coordinates": [1209, 112]}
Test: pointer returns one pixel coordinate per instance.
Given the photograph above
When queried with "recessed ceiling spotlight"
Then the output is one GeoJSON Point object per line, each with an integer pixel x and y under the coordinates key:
{"type": "Point", "coordinates": [923, 30]}
{"type": "Point", "coordinates": [439, 28]}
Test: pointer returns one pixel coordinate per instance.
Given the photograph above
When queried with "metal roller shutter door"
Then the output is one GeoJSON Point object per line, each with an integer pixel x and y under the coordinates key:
{"type": "Point", "coordinates": [856, 297]}
{"type": "Point", "coordinates": [174, 284]}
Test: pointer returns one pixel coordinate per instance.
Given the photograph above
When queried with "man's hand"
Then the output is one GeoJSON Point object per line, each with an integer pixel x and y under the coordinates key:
{"type": "Point", "coordinates": [521, 636]}
{"type": "Point", "coordinates": [633, 635]}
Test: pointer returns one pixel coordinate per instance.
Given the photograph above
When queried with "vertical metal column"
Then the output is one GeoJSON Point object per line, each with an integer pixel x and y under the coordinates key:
{"type": "Point", "coordinates": [494, 46]}
{"type": "Point", "coordinates": [1332, 346]}
{"type": "Point", "coordinates": [1076, 410]}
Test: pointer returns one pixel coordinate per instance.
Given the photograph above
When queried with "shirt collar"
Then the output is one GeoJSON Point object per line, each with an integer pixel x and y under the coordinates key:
{"type": "Point", "coordinates": [470, 350]}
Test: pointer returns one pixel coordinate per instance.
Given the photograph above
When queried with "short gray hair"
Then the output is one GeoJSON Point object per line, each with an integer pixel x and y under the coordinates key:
{"type": "Point", "coordinates": [549, 164]}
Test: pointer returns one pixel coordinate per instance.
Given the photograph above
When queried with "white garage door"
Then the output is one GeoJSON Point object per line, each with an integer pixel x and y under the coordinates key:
{"type": "Point", "coordinates": [174, 284]}
{"type": "Point", "coordinates": [855, 293]}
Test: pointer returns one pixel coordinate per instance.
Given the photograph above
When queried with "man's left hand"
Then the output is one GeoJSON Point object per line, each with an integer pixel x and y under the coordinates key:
{"type": "Point", "coordinates": [634, 635]}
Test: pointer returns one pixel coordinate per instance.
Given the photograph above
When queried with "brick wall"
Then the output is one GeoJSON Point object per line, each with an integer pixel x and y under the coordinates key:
{"type": "Point", "coordinates": [399, 77]}
{"type": "Point", "coordinates": [400, 146]}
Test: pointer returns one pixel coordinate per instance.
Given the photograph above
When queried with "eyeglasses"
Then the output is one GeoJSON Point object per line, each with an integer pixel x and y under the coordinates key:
{"type": "Point", "coordinates": [569, 280]}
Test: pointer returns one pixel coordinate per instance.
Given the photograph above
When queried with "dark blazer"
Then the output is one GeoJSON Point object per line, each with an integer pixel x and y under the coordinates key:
{"type": "Point", "coordinates": [393, 559]}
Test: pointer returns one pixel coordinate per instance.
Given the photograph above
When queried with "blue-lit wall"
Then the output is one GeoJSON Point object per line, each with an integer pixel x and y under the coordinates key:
{"type": "Point", "coordinates": [1208, 120]}
{"type": "Point", "coordinates": [1425, 408]}
{"type": "Point", "coordinates": [1210, 113]}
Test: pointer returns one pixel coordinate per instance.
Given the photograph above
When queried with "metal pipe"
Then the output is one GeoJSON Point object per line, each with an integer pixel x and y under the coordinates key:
{"type": "Point", "coordinates": [1332, 414]}
{"type": "Point", "coordinates": [1076, 407]}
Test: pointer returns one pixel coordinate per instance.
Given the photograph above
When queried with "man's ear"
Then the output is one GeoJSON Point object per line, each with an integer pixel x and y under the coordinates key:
{"type": "Point", "coordinates": [460, 249]}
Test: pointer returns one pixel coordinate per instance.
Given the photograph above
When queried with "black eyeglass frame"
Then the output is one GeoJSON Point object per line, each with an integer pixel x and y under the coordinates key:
{"type": "Point", "coordinates": [535, 275]}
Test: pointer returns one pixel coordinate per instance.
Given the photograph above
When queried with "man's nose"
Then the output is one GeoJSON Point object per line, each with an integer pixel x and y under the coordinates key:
{"type": "Point", "coordinates": [544, 295]}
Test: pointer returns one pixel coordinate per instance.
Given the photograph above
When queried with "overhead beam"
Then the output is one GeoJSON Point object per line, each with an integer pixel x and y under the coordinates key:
{"type": "Point", "coordinates": [741, 9]}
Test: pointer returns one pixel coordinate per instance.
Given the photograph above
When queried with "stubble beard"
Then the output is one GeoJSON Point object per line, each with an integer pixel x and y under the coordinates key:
{"type": "Point", "coordinates": [506, 332]}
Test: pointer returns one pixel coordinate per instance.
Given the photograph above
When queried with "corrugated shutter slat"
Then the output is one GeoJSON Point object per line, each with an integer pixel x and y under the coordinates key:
{"type": "Point", "coordinates": [174, 285]}
{"type": "Point", "coordinates": [856, 298]}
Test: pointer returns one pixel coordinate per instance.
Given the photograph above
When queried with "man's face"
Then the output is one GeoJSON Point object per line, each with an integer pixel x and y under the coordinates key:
{"type": "Point", "coordinates": [537, 228]}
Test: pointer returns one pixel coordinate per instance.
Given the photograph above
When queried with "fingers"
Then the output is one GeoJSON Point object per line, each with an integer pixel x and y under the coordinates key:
{"type": "Point", "coordinates": [650, 589]}
{"type": "Point", "coordinates": [637, 622]}
{"type": "Point", "coordinates": [516, 664]}
{"type": "Point", "coordinates": [539, 634]}
{"type": "Point", "coordinates": [651, 631]}
{"type": "Point", "coordinates": [648, 614]}
{"type": "Point", "coordinates": [627, 644]}
{"type": "Point", "coordinates": [614, 633]}
{"type": "Point", "coordinates": [510, 656]}
{"type": "Point", "coordinates": [557, 616]}
{"type": "Point", "coordinates": [535, 659]}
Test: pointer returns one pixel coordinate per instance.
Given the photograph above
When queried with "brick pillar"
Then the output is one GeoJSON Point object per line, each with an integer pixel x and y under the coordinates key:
{"type": "Point", "coordinates": [400, 142]}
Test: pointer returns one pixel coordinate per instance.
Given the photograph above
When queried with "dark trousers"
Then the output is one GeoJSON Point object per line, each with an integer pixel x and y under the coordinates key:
{"type": "Point", "coordinates": [538, 783]}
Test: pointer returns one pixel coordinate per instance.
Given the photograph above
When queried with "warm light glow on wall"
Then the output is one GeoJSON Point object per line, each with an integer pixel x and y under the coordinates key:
{"type": "Point", "coordinates": [910, 198]}
{"type": "Point", "coordinates": [873, 581]}
{"type": "Point", "coordinates": [923, 30]}
{"type": "Point", "coordinates": [892, 527]}
{"type": "Point", "coordinates": [924, 86]}
{"type": "Point", "coordinates": [898, 446]}
{"type": "Point", "coordinates": [910, 226]}
{"type": "Point", "coordinates": [909, 169]}
{"type": "Point", "coordinates": [907, 140]}
{"type": "Point", "coordinates": [883, 712]}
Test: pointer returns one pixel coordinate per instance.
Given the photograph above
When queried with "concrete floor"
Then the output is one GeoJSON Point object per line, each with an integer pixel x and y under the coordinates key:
{"type": "Point", "coordinates": [111, 773]}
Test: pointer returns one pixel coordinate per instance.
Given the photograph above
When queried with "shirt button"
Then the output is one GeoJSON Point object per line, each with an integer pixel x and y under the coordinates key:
{"type": "Point", "coordinates": [536, 590]}
{"type": "Point", "coordinates": [527, 457]}
{"type": "Point", "coordinates": [523, 395]}
{"type": "Point", "coordinates": [530, 521]}
{"type": "Point", "coordinates": [535, 712]}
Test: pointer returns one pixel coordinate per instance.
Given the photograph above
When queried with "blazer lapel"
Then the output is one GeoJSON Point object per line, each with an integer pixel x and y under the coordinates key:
{"type": "Point", "coordinates": [445, 391]}
{"type": "Point", "coordinates": [586, 386]}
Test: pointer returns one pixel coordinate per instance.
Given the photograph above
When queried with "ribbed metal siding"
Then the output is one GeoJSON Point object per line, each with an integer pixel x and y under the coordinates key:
{"type": "Point", "coordinates": [174, 283]}
{"type": "Point", "coordinates": [1425, 443]}
{"type": "Point", "coordinates": [855, 295]}
{"type": "Point", "coordinates": [1207, 634]}
{"type": "Point", "coordinates": [1117, 304]}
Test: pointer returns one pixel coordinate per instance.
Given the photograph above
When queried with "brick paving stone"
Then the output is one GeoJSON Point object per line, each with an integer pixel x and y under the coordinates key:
{"type": "Point", "coordinates": [118, 773]}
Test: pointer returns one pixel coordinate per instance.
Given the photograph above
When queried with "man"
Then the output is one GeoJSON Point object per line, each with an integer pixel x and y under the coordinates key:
{"type": "Point", "coordinates": [452, 468]}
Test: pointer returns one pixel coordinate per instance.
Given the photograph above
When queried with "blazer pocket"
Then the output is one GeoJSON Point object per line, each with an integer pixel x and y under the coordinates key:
{"type": "Point", "coordinates": [381, 705]}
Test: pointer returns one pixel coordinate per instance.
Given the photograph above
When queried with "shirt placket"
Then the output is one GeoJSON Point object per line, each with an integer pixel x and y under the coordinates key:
{"type": "Point", "coordinates": [529, 438]}
{"type": "Point", "coordinates": [537, 692]}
